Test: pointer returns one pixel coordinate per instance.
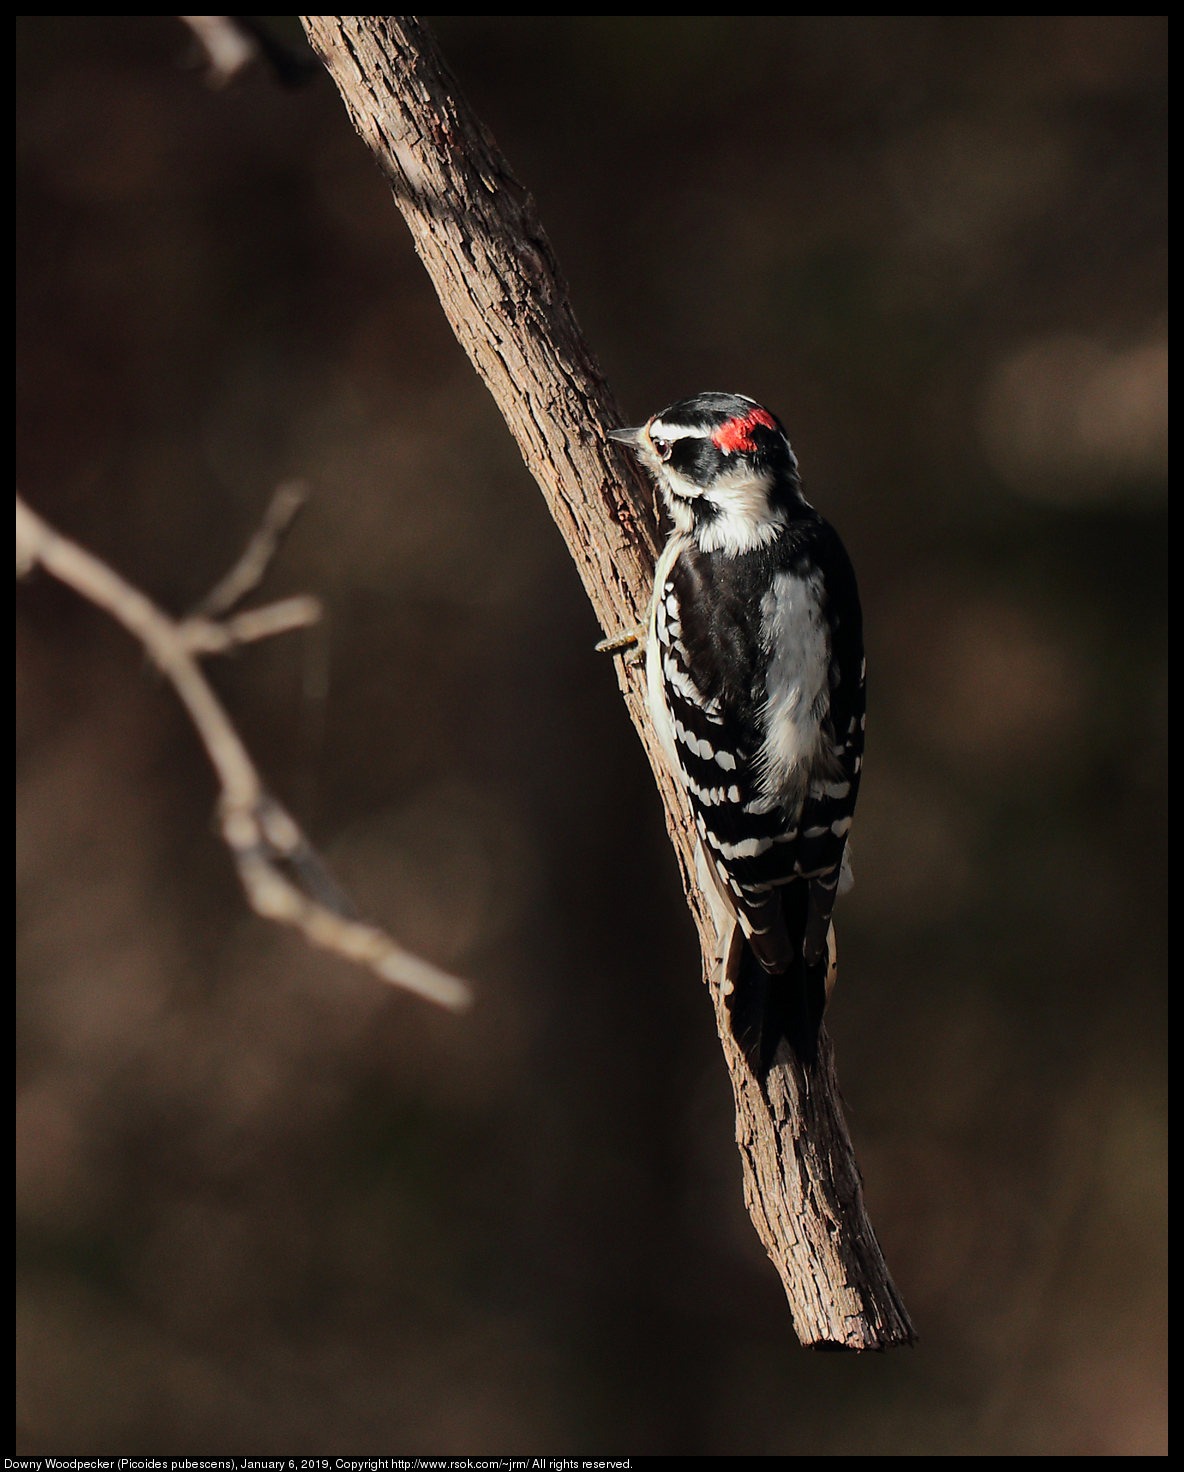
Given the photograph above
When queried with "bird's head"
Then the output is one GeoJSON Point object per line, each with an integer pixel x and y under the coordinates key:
{"type": "Point", "coordinates": [724, 467]}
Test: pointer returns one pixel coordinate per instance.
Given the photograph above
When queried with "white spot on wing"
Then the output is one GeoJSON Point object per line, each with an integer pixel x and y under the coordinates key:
{"type": "Point", "coordinates": [764, 804]}
{"type": "Point", "coordinates": [659, 710]}
{"type": "Point", "coordinates": [685, 686]}
{"type": "Point", "coordinates": [747, 848]}
{"type": "Point", "coordinates": [700, 748]}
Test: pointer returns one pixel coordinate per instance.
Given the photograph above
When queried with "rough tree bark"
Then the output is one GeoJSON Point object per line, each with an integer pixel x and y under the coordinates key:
{"type": "Point", "coordinates": [477, 232]}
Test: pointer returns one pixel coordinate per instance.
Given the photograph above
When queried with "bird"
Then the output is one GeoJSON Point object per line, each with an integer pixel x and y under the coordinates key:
{"type": "Point", "coordinates": [755, 680]}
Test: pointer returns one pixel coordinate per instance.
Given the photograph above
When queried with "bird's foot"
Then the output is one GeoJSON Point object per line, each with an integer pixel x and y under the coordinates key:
{"type": "Point", "coordinates": [631, 644]}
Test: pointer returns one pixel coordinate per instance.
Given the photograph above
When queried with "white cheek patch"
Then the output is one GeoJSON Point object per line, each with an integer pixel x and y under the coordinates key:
{"type": "Point", "coordinates": [678, 485]}
{"type": "Point", "coordinates": [745, 518]}
{"type": "Point", "coordinates": [680, 513]}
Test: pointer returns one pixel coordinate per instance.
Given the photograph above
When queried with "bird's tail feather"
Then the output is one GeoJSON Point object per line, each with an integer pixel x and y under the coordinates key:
{"type": "Point", "coordinates": [768, 1006]}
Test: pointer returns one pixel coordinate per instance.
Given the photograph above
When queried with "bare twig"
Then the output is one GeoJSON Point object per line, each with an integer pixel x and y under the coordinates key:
{"type": "Point", "coordinates": [231, 43]}
{"type": "Point", "coordinates": [204, 636]}
{"type": "Point", "coordinates": [261, 834]}
{"type": "Point", "coordinates": [477, 232]}
{"type": "Point", "coordinates": [229, 48]}
{"type": "Point", "coordinates": [249, 571]}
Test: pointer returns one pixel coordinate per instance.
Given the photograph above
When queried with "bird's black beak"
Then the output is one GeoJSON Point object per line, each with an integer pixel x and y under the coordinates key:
{"type": "Point", "coordinates": [630, 437]}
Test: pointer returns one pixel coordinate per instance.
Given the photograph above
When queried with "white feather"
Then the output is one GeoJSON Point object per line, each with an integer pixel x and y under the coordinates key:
{"type": "Point", "coordinates": [744, 519]}
{"type": "Point", "coordinates": [797, 691]}
{"type": "Point", "coordinates": [655, 696]}
{"type": "Point", "coordinates": [657, 430]}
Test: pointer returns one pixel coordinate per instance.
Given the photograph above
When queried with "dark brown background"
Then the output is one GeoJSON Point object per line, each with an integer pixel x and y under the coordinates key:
{"type": "Point", "coordinates": [267, 1205]}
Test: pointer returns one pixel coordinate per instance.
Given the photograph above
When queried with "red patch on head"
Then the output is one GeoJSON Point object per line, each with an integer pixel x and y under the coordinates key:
{"type": "Point", "coordinates": [737, 433]}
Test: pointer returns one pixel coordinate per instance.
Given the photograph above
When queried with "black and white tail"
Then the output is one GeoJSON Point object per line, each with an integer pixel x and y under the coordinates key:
{"type": "Point", "coordinates": [766, 1006]}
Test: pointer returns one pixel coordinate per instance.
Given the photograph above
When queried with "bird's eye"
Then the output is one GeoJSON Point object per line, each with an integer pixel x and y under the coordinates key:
{"type": "Point", "coordinates": [663, 448]}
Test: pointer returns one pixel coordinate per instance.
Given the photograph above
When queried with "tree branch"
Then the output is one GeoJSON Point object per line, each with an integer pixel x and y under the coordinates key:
{"type": "Point", "coordinates": [228, 47]}
{"type": "Point", "coordinates": [230, 43]}
{"type": "Point", "coordinates": [259, 831]}
{"type": "Point", "coordinates": [251, 568]}
{"type": "Point", "coordinates": [476, 230]}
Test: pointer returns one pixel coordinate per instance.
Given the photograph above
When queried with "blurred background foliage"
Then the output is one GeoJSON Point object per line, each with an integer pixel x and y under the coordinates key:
{"type": "Point", "coordinates": [265, 1204]}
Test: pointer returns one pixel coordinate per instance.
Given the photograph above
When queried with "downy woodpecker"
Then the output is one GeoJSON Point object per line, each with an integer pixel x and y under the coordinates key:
{"type": "Point", "coordinates": [755, 674]}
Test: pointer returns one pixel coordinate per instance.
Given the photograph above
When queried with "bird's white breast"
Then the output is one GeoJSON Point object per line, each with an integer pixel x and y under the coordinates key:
{"type": "Point", "coordinates": [797, 689]}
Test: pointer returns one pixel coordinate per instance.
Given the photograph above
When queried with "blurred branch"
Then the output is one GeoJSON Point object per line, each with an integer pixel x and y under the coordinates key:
{"type": "Point", "coordinates": [229, 48]}
{"type": "Point", "coordinates": [249, 571]}
{"type": "Point", "coordinates": [230, 43]}
{"type": "Point", "coordinates": [205, 636]}
{"type": "Point", "coordinates": [261, 834]}
{"type": "Point", "coordinates": [476, 230]}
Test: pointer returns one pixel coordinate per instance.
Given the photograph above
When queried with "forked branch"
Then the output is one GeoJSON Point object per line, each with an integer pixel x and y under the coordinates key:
{"type": "Point", "coordinates": [477, 232]}
{"type": "Point", "coordinates": [261, 834]}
